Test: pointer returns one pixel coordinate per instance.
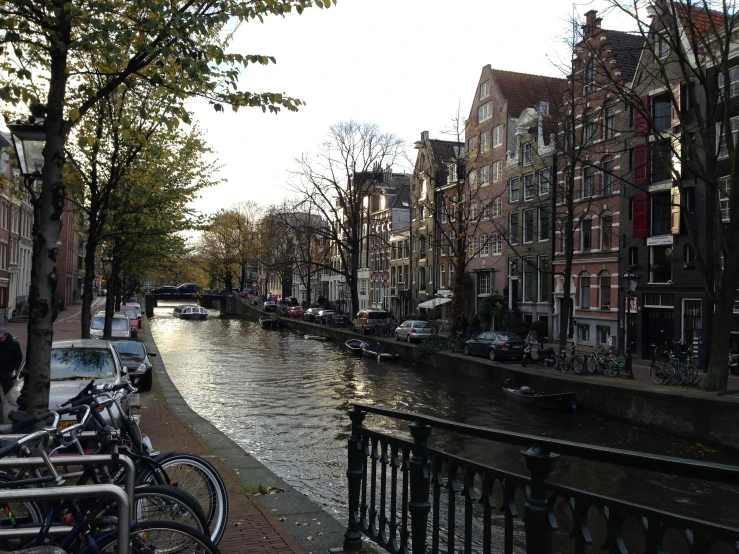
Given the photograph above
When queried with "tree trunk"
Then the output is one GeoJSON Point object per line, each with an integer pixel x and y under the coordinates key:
{"type": "Point", "coordinates": [718, 364]}
{"type": "Point", "coordinates": [87, 293]}
{"type": "Point", "coordinates": [44, 276]}
{"type": "Point", "coordinates": [110, 301]}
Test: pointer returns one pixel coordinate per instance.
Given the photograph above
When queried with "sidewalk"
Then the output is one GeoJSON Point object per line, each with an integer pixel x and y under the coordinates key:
{"type": "Point", "coordinates": [253, 524]}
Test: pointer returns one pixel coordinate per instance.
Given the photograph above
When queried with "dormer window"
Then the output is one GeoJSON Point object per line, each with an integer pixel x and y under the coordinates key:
{"type": "Point", "coordinates": [484, 90]}
{"type": "Point", "coordinates": [527, 153]}
{"type": "Point", "coordinates": [452, 173]}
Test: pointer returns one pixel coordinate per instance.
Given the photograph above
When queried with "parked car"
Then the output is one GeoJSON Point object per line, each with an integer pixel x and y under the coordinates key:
{"type": "Point", "coordinates": [269, 306]}
{"type": "Point", "coordinates": [135, 358]}
{"type": "Point", "coordinates": [188, 288]}
{"type": "Point", "coordinates": [413, 331]}
{"type": "Point", "coordinates": [322, 315]}
{"type": "Point", "coordinates": [133, 318]}
{"type": "Point", "coordinates": [120, 326]}
{"type": "Point", "coordinates": [166, 289]}
{"type": "Point", "coordinates": [295, 311]}
{"type": "Point", "coordinates": [310, 314]}
{"type": "Point", "coordinates": [73, 365]}
{"type": "Point", "coordinates": [137, 306]}
{"type": "Point", "coordinates": [367, 320]}
{"type": "Point", "coordinates": [496, 346]}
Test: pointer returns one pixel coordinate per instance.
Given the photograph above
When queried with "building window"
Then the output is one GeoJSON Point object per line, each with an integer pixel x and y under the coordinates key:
{"type": "Point", "coordinates": [606, 232]}
{"type": "Point", "coordinates": [544, 182]}
{"type": "Point", "coordinates": [661, 111]}
{"type": "Point", "coordinates": [545, 279]}
{"type": "Point", "coordinates": [472, 145]}
{"type": "Point", "coordinates": [497, 171]}
{"type": "Point", "coordinates": [527, 151]}
{"type": "Point", "coordinates": [484, 90]}
{"type": "Point", "coordinates": [471, 246]}
{"type": "Point", "coordinates": [586, 232]}
{"type": "Point", "coordinates": [724, 186]}
{"type": "Point", "coordinates": [451, 275]}
{"type": "Point", "coordinates": [473, 179]}
{"type": "Point", "coordinates": [483, 284]}
{"type": "Point", "coordinates": [422, 246]}
{"type": "Point", "coordinates": [660, 264]}
{"type": "Point", "coordinates": [588, 182]}
{"type": "Point", "coordinates": [421, 278]}
{"type": "Point", "coordinates": [528, 186]}
{"type": "Point", "coordinates": [513, 228]}
{"type": "Point", "coordinates": [452, 177]}
{"type": "Point", "coordinates": [633, 257]}
{"type": "Point", "coordinates": [484, 246]}
{"type": "Point", "coordinates": [497, 244]}
{"type": "Point", "coordinates": [485, 141]}
{"type": "Point", "coordinates": [484, 112]}
{"type": "Point", "coordinates": [514, 193]}
{"type": "Point", "coordinates": [407, 248]}
{"type": "Point", "coordinates": [528, 225]}
{"type": "Point", "coordinates": [589, 128]}
{"type": "Point", "coordinates": [484, 175]}
{"type": "Point", "coordinates": [498, 136]}
{"type": "Point", "coordinates": [661, 211]}
{"type": "Point", "coordinates": [529, 280]}
{"type": "Point", "coordinates": [543, 224]}
{"type": "Point", "coordinates": [609, 122]}
{"type": "Point", "coordinates": [589, 81]}
{"type": "Point", "coordinates": [498, 207]}
{"type": "Point", "coordinates": [723, 151]}
{"type": "Point", "coordinates": [607, 177]}
{"type": "Point", "coordinates": [442, 276]}
{"type": "Point", "coordinates": [393, 252]}
{"type": "Point", "coordinates": [583, 333]}
{"type": "Point", "coordinates": [663, 45]}
{"type": "Point", "coordinates": [585, 290]}
{"type": "Point", "coordinates": [604, 284]}
{"type": "Point", "coordinates": [733, 82]}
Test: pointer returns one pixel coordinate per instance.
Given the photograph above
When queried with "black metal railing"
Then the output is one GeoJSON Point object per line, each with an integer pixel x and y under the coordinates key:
{"type": "Point", "coordinates": [405, 496]}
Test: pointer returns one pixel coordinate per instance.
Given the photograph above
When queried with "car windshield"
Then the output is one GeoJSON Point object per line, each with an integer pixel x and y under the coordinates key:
{"type": "Point", "coordinates": [98, 323]}
{"type": "Point", "coordinates": [129, 348]}
{"type": "Point", "coordinates": [130, 313]}
{"type": "Point", "coordinates": [377, 315]}
{"type": "Point", "coordinates": [81, 363]}
{"type": "Point", "coordinates": [508, 336]}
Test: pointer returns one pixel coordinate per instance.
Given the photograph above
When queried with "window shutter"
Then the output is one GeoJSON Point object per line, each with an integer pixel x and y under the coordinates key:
{"type": "Point", "coordinates": [675, 210]}
{"type": "Point", "coordinates": [640, 122]}
{"type": "Point", "coordinates": [641, 165]}
{"type": "Point", "coordinates": [675, 107]}
{"type": "Point", "coordinates": [641, 222]}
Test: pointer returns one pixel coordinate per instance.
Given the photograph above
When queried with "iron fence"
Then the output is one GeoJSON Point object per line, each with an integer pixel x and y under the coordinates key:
{"type": "Point", "coordinates": [406, 496]}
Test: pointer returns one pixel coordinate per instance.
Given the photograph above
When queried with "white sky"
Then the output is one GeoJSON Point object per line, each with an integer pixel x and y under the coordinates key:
{"type": "Point", "coordinates": [405, 65]}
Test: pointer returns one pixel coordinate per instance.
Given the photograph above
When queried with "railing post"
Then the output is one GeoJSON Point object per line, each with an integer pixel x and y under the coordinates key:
{"type": "Point", "coordinates": [419, 505]}
{"type": "Point", "coordinates": [540, 463]}
{"type": "Point", "coordinates": [353, 535]}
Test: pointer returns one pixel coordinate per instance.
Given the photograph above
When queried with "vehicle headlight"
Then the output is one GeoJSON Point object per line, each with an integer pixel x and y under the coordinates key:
{"type": "Point", "coordinates": [141, 368]}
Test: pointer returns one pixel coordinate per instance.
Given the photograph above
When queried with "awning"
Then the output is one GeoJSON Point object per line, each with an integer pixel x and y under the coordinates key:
{"type": "Point", "coordinates": [431, 304]}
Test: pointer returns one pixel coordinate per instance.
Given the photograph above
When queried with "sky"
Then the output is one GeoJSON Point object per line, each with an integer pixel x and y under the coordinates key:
{"type": "Point", "coordinates": [405, 65]}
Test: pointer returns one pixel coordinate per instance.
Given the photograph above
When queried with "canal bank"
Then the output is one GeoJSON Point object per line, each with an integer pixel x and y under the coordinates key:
{"type": "Point", "coordinates": [266, 514]}
{"type": "Point", "coordinates": [710, 418]}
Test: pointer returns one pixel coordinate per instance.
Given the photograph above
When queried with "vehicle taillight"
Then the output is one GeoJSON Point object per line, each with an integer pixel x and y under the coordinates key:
{"type": "Point", "coordinates": [413, 330]}
{"type": "Point", "coordinates": [504, 345]}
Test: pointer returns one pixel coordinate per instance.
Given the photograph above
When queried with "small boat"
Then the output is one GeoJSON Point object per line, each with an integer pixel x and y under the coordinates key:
{"type": "Point", "coordinates": [269, 322]}
{"type": "Point", "coordinates": [379, 351]}
{"type": "Point", "coordinates": [356, 346]}
{"type": "Point", "coordinates": [564, 401]}
{"type": "Point", "coordinates": [190, 311]}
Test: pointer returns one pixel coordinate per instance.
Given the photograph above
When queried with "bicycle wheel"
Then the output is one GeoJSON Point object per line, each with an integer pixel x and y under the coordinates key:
{"type": "Point", "coordinates": [657, 373]}
{"type": "Point", "coordinates": [578, 364]}
{"type": "Point", "coordinates": [591, 364]}
{"type": "Point", "coordinates": [197, 476]}
{"type": "Point", "coordinates": [612, 369]}
{"type": "Point", "coordinates": [454, 345]}
{"type": "Point", "coordinates": [160, 537]}
{"type": "Point", "coordinates": [564, 364]}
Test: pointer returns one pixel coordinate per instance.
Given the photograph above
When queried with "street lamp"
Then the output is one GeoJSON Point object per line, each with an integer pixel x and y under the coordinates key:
{"type": "Point", "coordinates": [29, 139]}
{"type": "Point", "coordinates": [628, 285]}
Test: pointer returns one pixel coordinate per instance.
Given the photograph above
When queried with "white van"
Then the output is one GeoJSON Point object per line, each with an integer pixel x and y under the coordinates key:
{"type": "Point", "coordinates": [120, 328]}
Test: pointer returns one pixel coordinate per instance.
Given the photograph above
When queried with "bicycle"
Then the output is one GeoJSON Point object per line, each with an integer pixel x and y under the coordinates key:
{"type": "Point", "coordinates": [597, 361]}
{"type": "Point", "coordinates": [569, 359]}
{"type": "Point", "coordinates": [455, 344]}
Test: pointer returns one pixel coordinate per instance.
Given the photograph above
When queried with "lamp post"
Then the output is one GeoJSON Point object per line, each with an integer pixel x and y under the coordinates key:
{"type": "Point", "coordinates": [29, 139]}
{"type": "Point", "coordinates": [628, 285]}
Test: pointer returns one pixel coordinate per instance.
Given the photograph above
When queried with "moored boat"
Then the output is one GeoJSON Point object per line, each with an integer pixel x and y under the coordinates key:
{"type": "Point", "coordinates": [564, 401]}
{"type": "Point", "coordinates": [356, 346]}
{"type": "Point", "coordinates": [191, 312]}
{"type": "Point", "coordinates": [379, 351]}
{"type": "Point", "coordinates": [269, 322]}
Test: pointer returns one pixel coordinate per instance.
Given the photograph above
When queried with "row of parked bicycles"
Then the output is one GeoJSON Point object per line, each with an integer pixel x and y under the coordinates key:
{"type": "Point", "coordinates": [97, 486]}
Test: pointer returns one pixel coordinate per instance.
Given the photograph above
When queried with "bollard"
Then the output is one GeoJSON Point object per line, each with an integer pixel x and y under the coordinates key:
{"type": "Point", "coordinates": [354, 472]}
{"type": "Point", "coordinates": [540, 463]}
{"type": "Point", "coordinates": [419, 506]}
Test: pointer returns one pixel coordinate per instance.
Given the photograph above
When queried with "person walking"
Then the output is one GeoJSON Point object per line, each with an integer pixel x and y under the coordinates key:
{"type": "Point", "coordinates": [10, 359]}
{"type": "Point", "coordinates": [475, 326]}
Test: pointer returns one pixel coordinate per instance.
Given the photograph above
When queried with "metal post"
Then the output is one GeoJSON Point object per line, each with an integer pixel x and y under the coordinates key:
{"type": "Point", "coordinates": [419, 505]}
{"type": "Point", "coordinates": [354, 472]}
{"type": "Point", "coordinates": [628, 368]}
{"type": "Point", "coordinates": [540, 463]}
{"type": "Point", "coordinates": [76, 492]}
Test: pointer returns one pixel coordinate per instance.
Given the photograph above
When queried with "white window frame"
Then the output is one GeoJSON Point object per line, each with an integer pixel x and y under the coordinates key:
{"type": "Point", "coordinates": [498, 135]}
{"type": "Point", "coordinates": [510, 228]}
{"type": "Point", "coordinates": [544, 183]}
{"type": "Point", "coordinates": [511, 198]}
{"type": "Point", "coordinates": [498, 207]}
{"type": "Point", "coordinates": [528, 190]}
{"type": "Point", "coordinates": [471, 245]}
{"type": "Point", "coordinates": [525, 228]}
{"type": "Point", "coordinates": [497, 244]}
{"type": "Point", "coordinates": [483, 284]}
{"type": "Point", "coordinates": [442, 275]}
{"type": "Point", "coordinates": [527, 153]}
{"type": "Point", "coordinates": [733, 82]}
{"type": "Point", "coordinates": [484, 90]}
{"type": "Point", "coordinates": [723, 198]}
{"type": "Point", "coordinates": [497, 171]}
{"type": "Point", "coordinates": [484, 112]}
{"type": "Point", "coordinates": [484, 175]}
{"type": "Point", "coordinates": [452, 177]}
{"type": "Point", "coordinates": [484, 141]}
{"type": "Point", "coordinates": [484, 247]}
{"type": "Point", "coordinates": [473, 179]}
{"type": "Point", "coordinates": [723, 151]}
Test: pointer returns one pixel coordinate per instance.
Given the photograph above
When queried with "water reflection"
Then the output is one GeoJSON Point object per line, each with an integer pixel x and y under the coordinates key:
{"type": "Point", "coordinates": [284, 400]}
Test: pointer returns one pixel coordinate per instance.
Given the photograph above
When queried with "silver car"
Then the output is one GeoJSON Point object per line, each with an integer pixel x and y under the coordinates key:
{"type": "Point", "coordinates": [413, 331]}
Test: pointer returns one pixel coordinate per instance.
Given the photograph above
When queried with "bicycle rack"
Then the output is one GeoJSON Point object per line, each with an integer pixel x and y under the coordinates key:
{"type": "Point", "coordinates": [89, 460]}
{"type": "Point", "coordinates": [61, 493]}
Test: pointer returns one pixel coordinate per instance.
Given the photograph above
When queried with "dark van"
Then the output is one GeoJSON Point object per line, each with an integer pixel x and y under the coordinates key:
{"type": "Point", "coordinates": [367, 320]}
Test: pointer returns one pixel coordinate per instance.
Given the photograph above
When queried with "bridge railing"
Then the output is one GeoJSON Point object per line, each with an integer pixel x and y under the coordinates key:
{"type": "Point", "coordinates": [405, 495]}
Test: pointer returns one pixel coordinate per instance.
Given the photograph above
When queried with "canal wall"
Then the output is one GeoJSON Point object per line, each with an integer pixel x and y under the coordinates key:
{"type": "Point", "coordinates": [709, 418]}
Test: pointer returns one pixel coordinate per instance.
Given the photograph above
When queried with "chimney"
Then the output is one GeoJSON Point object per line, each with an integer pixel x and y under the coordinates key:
{"type": "Point", "coordinates": [424, 136]}
{"type": "Point", "coordinates": [592, 24]}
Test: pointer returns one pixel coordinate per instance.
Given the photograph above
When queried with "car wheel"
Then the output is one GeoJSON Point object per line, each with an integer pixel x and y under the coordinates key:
{"type": "Point", "coordinates": [466, 350]}
{"type": "Point", "coordinates": [397, 337]}
{"type": "Point", "coordinates": [408, 338]}
{"type": "Point", "coordinates": [144, 384]}
{"type": "Point", "coordinates": [493, 357]}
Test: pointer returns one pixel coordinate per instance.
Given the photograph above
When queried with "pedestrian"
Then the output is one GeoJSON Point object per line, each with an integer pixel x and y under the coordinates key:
{"type": "Point", "coordinates": [10, 359]}
{"type": "Point", "coordinates": [475, 326]}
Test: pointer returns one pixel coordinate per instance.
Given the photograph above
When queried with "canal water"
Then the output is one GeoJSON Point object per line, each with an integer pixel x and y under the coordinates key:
{"type": "Point", "coordinates": [284, 400]}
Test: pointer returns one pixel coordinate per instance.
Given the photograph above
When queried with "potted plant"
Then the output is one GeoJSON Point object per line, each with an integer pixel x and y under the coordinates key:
{"type": "Point", "coordinates": [633, 267]}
